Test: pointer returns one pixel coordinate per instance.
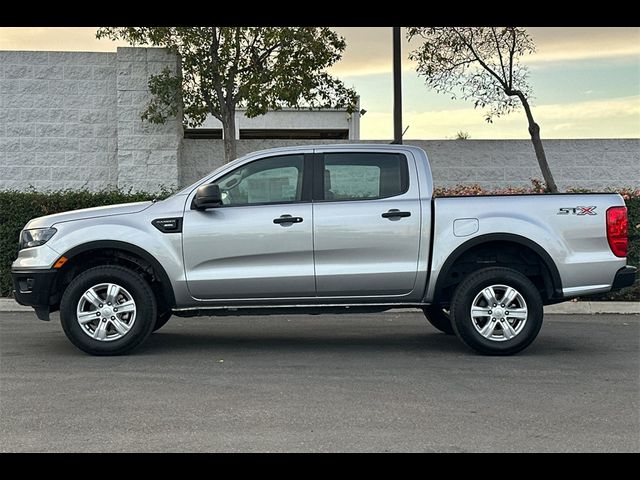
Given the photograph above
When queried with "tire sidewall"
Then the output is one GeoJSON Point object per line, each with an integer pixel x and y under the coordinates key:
{"type": "Point", "coordinates": [465, 295]}
{"type": "Point", "coordinates": [134, 284]}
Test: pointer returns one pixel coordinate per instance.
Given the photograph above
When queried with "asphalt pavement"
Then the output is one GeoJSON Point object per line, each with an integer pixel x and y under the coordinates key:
{"type": "Point", "coordinates": [374, 383]}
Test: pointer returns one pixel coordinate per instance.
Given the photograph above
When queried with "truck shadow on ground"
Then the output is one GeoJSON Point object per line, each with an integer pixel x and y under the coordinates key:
{"type": "Point", "coordinates": [411, 336]}
{"type": "Point", "coordinates": [415, 343]}
{"type": "Point", "coordinates": [429, 344]}
{"type": "Point", "coordinates": [170, 342]}
{"type": "Point", "coordinates": [298, 337]}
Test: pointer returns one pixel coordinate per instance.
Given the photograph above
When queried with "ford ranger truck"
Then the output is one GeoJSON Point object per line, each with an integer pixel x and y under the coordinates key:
{"type": "Point", "coordinates": [333, 228]}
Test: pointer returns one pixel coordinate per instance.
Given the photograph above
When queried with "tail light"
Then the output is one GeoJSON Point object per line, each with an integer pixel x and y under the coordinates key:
{"type": "Point", "coordinates": [617, 230]}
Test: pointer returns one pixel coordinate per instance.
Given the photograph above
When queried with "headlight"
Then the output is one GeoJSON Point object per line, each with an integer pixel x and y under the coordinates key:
{"type": "Point", "coordinates": [35, 237]}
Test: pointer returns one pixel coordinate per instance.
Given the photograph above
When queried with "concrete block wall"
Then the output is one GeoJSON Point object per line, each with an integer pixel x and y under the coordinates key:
{"type": "Point", "coordinates": [57, 120]}
{"type": "Point", "coordinates": [72, 120]}
{"type": "Point", "coordinates": [148, 154]}
{"type": "Point", "coordinates": [593, 164]}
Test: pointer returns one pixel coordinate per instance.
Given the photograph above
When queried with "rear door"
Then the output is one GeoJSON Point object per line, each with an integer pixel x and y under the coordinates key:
{"type": "Point", "coordinates": [366, 224]}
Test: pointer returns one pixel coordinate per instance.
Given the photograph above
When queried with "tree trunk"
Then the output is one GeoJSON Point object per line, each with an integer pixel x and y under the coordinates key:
{"type": "Point", "coordinates": [229, 134]}
{"type": "Point", "coordinates": [534, 131]}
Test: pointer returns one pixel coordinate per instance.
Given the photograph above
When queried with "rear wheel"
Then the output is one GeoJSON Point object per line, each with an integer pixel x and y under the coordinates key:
{"type": "Point", "coordinates": [108, 310]}
{"type": "Point", "coordinates": [439, 318]}
{"type": "Point", "coordinates": [497, 311]}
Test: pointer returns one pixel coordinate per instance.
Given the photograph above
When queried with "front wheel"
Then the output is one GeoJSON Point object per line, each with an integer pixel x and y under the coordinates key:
{"type": "Point", "coordinates": [497, 311]}
{"type": "Point", "coordinates": [162, 319]}
{"type": "Point", "coordinates": [108, 310]}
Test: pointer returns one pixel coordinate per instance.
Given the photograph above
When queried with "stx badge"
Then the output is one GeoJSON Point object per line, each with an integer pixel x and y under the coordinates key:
{"type": "Point", "coordinates": [578, 211]}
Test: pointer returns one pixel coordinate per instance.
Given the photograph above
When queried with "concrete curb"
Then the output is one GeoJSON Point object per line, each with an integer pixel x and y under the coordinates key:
{"type": "Point", "coordinates": [574, 308]}
{"type": "Point", "coordinates": [10, 305]}
{"type": "Point", "coordinates": [566, 308]}
{"type": "Point", "coordinates": [593, 307]}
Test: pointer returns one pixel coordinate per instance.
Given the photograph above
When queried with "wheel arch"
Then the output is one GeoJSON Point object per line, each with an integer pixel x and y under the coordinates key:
{"type": "Point", "coordinates": [500, 238]}
{"type": "Point", "coordinates": [165, 285]}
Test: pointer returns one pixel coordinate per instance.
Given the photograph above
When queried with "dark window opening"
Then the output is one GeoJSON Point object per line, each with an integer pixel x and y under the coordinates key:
{"type": "Point", "coordinates": [294, 134]}
{"type": "Point", "coordinates": [215, 133]}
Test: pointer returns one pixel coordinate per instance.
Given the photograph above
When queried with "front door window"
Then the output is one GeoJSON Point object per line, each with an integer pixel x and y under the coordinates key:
{"type": "Point", "coordinates": [267, 181]}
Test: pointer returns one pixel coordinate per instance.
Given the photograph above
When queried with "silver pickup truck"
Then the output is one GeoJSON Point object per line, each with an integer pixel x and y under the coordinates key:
{"type": "Point", "coordinates": [340, 228]}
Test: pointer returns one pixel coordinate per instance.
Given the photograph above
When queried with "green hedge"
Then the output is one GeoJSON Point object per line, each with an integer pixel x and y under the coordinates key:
{"type": "Point", "coordinates": [17, 208]}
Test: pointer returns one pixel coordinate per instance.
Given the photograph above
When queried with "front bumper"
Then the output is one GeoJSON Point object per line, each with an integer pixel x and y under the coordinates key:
{"type": "Point", "coordinates": [625, 277]}
{"type": "Point", "coordinates": [36, 288]}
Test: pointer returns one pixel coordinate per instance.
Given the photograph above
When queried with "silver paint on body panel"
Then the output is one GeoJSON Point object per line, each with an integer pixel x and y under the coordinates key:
{"type": "Point", "coordinates": [359, 253]}
{"type": "Point", "coordinates": [238, 252]}
{"type": "Point", "coordinates": [577, 244]}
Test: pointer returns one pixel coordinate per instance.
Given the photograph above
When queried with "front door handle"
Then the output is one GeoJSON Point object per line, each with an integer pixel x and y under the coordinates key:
{"type": "Point", "coordinates": [395, 213]}
{"type": "Point", "coordinates": [287, 219]}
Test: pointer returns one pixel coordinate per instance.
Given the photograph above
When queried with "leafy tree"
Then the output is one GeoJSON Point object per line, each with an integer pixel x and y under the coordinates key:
{"type": "Point", "coordinates": [481, 64]}
{"type": "Point", "coordinates": [223, 68]}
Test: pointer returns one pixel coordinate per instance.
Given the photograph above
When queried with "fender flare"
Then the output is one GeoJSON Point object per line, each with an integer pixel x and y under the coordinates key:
{"type": "Point", "coordinates": [165, 282]}
{"type": "Point", "coordinates": [556, 280]}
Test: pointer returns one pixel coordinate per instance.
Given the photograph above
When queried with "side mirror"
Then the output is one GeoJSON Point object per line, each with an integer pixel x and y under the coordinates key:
{"type": "Point", "coordinates": [207, 196]}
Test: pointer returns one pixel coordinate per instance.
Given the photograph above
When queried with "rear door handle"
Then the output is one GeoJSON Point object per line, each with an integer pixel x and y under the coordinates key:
{"type": "Point", "coordinates": [287, 219]}
{"type": "Point", "coordinates": [395, 213]}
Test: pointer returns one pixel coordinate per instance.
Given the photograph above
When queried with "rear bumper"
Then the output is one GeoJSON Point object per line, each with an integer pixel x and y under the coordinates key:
{"type": "Point", "coordinates": [35, 288]}
{"type": "Point", "coordinates": [624, 278]}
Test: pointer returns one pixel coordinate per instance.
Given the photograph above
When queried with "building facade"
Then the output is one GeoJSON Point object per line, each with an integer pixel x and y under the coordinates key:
{"type": "Point", "coordinates": [287, 124]}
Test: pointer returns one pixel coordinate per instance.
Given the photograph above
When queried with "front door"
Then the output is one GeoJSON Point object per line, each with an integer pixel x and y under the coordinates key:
{"type": "Point", "coordinates": [366, 224]}
{"type": "Point", "coordinates": [259, 243]}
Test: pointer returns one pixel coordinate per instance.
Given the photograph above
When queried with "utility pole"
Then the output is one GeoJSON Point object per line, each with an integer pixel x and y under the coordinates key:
{"type": "Point", "coordinates": [397, 87]}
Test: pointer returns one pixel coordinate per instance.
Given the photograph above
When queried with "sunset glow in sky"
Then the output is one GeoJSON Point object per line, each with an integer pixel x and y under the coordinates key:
{"type": "Point", "coordinates": [586, 82]}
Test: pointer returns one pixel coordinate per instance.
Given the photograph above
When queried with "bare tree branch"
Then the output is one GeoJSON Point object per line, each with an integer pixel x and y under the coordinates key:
{"type": "Point", "coordinates": [495, 36]}
{"type": "Point", "coordinates": [466, 61]}
{"type": "Point", "coordinates": [512, 52]}
{"type": "Point", "coordinates": [469, 45]}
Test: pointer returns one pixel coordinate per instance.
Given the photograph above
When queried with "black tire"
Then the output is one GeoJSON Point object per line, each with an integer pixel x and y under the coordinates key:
{"type": "Point", "coordinates": [140, 292]}
{"type": "Point", "coordinates": [163, 318]}
{"type": "Point", "coordinates": [439, 319]}
{"type": "Point", "coordinates": [464, 296]}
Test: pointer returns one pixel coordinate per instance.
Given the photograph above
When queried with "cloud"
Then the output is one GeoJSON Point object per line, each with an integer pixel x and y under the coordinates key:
{"type": "Point", "coordinates": [55, 38]}
{"type": "Point", "coordinates": [369, 51]}
{"type": "Point", "coordinates": [369, 48]}
{"type": "Point", "coordinates": [611, 118]}
{"type": "Point", "coordinates": [555, 44]}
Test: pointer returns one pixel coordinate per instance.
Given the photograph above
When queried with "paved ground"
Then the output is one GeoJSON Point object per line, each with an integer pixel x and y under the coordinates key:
{"type": "Point", "coordinates": [385, 382]}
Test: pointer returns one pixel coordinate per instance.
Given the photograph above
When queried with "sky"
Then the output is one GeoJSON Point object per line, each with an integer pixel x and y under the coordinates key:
{"type": "Point", "coordinates": [586, 82]}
